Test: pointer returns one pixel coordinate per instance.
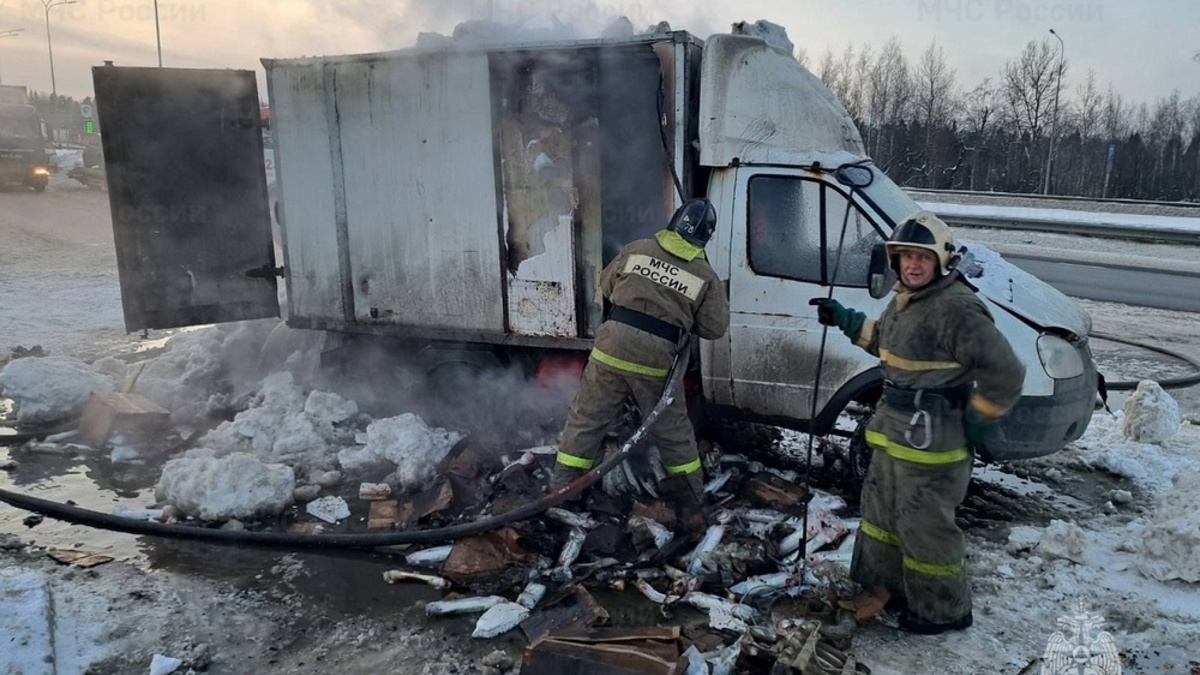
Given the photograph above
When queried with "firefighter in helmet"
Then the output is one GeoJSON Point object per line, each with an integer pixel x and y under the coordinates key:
{"type": "Point", "coordinates": [949, 377]}
{"type": "Point", "coordinates": [660, 290]}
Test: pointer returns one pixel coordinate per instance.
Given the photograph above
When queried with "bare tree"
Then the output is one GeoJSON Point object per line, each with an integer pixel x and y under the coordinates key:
{"type": "Point", "coordinates": [933, 90]}
{"type": "Point", "coordinates": [889, 91]}
{"type": "Point", "coordinates": [857, 69]}
{"type": "Point", "coordinates": [801, 56]}
{"type": "Point", "coordinates": [1114, 116]}
{"type": "Point", "coordinates": [978, 116]}
{"type": "Point", "coordinates": [829, 70]}
{"type": "Point", "coordinates": [1028, 88]}
{"type": "Point", "coordinates": [1088, 106]}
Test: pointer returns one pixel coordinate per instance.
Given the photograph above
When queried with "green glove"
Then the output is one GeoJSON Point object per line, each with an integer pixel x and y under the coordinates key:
{"type": "Point", "coordinates": [976, 428]}
{"type": "Point", "coordinates": [830, 312]}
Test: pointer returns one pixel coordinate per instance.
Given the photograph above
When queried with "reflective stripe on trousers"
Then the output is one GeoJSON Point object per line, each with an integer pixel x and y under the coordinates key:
{"type": "Point", "coordinates": [921, 567]}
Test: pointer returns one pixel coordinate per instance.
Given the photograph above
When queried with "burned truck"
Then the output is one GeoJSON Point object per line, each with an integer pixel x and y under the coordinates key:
{"type": "Point", "coordinates": [461, 201]}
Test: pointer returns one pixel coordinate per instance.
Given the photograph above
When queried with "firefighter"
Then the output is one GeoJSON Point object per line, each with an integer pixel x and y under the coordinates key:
{"type": "Point", "coordinates": [659, 290]}
{"type": "Point", "coordinates": [949, 377]}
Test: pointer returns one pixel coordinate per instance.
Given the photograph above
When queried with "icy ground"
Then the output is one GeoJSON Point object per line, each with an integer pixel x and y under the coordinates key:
{"type": "Point", "coordinates": [1109, 521]}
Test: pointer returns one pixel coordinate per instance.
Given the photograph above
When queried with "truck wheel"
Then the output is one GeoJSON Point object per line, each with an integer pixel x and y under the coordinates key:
{"type": "Point", "coordinates": [39, 187]}
{"type": "Point", "coordinates": [859, 452]}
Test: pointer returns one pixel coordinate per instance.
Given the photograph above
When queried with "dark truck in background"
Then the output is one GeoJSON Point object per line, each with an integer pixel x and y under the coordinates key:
{"type": "Point", "coordinates": [23, 159]}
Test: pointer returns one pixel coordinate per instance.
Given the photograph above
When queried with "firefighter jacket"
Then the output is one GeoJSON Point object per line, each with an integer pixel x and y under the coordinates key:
{"type": "Point", "coordinates": [939, 337]}
{"type": "Point", "coordinates": [667, 278]}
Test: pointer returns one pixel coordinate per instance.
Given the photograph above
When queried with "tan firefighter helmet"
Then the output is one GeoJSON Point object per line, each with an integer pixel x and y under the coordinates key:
{"type": "Point", "coordinates": [927, 231]}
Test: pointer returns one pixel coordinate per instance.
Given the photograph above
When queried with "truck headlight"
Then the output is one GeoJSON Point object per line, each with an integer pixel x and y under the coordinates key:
{"type": "Point", "coordinates": [40, 171]}
{"type": "Point", "coordinates": [1059, 358]}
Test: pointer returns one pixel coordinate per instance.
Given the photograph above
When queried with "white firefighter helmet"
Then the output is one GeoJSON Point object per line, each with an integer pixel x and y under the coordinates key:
{"type": "Point", "coordinates": [926, 231]}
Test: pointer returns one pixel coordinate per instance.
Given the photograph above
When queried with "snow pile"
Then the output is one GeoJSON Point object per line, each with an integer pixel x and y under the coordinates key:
{"type": "Point", "coordinates": [1151, 415]}
{"type": "Point", "coordinates": [239, 486]}
{"type": "Point", "coordinates": [1150, 466]}
{"type": "Point", "coordinates": [407, 443]}
{"type": "Point", "coordinates": [284, 425]}
{"type": "Point", "coordinates": [1171, 542]}
{"type": "Point", "coordinates": [50, 389]}
{"type": "Point", "coordinates": [1062, 540]}
{"type": "Point", "coordinates": [202, 370]}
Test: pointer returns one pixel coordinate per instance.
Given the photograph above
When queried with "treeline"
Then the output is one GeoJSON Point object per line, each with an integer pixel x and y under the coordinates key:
{"type": "Point", "coordinates": [926, 131]}
{"type": "Point", "coordinates": [63, 115]}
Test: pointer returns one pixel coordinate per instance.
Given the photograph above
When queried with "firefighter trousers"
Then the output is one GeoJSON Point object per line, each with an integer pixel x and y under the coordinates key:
{"type": "Point", "coordinates": [909, 542]}
{"type": "Point", "coordinates": [601, 398]}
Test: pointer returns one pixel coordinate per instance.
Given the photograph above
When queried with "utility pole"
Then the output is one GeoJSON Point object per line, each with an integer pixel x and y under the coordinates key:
{"type": "Point", "coordinates": [50, 4]}
{"type": "Point", "coordinates": [1054, 122]}
{"type": "Point", "coordinates": [157, 34]}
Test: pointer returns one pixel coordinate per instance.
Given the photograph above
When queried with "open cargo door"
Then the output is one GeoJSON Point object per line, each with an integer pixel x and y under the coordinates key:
{"type": "Point", "coordinates": [184, 160]}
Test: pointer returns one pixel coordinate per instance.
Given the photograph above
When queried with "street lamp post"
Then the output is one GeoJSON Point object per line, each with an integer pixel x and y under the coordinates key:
{"type": "Point", "coordinates": [10, 33]}
{"type": "Point", "coordinates": [50, 4]}
{"type": "Point", "coordinates": [1054, 122]}
{"type": "Point", "coordinates": [157, 34]}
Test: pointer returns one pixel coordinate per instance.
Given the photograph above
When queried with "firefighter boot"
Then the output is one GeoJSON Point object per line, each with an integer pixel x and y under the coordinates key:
{"type": "Point", "coordinates": [562, 477]}
{"type": "Point", "coordinates": [686, 491]}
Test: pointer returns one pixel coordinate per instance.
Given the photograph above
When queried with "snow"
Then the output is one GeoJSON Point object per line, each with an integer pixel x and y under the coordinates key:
{"type": "Point", "coordinates": [1150, 466]}
{"type": "Point", "coordinates": [239, 486]}
{"type": "Point", "coordinates": [1062, 540]}
{"type": "Point", "coordinates": [1133, 221]}
{"type": "Point", "coordinates": [50, 389]}
{"type": "Point", "coordinates": [329, 509]}
{"type": "Point", "coordinates": [164, 665]}
{"type": "Point", "coordinates": [25, 638]}
{"type": "Point", "coordinates": [1151, 414]}
{"type": "Point", "coordinates": [1170, 546]}
{"type": "Point", "coordinates": [283, 424]}
{"type": "Point", "coordinates": [404, 442]}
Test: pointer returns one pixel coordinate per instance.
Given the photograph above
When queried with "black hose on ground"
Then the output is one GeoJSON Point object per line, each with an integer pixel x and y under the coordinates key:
{"type": "Point", "coordinates": [1171, 383]}
{"type": "Point", "coordinates": [104, 521]}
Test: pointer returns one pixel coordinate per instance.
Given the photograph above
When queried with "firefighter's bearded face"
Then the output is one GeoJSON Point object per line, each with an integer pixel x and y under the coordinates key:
{"type": "Point", "coordinates": [918, 266]}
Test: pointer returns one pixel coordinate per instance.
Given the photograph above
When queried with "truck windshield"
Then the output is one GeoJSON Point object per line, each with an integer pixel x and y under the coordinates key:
{"type": "Point", "coordinates": [18, 125]}
{"type": "Point", "coordinates": [889, 200]}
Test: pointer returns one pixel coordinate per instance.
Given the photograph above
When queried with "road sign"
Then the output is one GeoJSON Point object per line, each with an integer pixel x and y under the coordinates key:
{"type": "Point", "coordinates": [85, 109]}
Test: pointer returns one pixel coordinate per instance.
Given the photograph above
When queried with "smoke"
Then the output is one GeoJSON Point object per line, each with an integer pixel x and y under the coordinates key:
{"type": "Point", "coordinates": [396, 25]}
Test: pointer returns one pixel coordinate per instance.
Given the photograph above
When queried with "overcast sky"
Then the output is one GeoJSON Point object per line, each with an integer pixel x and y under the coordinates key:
{"type": "Point", "coordinates": [1143, 49]}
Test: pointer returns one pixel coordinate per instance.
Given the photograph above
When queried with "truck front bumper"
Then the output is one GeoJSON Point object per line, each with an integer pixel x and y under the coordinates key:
{"type": "Point", "coordinates": [1042, 425]}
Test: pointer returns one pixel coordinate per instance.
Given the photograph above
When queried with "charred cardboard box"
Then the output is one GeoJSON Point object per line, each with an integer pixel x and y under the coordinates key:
{"type": "Point", "coordinates": [132, 415]}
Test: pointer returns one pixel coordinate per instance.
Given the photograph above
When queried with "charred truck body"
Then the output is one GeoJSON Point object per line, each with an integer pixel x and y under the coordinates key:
{"type": "Point", "coordinates": [465, 200]}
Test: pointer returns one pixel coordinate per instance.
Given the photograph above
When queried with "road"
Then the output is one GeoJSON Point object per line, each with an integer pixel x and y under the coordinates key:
{"type": "Point", "coordinates": [1116, 283]}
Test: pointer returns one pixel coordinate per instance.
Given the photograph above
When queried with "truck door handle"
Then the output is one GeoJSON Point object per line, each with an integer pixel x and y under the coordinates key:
{"type": "Point", "coordinates": [265, 272]}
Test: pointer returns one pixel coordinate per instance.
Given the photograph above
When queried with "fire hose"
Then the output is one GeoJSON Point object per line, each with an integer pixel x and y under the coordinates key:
{"type": "Point", "coordinates": [79, 516]}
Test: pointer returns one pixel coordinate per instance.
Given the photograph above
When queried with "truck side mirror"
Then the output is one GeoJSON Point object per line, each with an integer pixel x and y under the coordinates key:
{"type": "Point", "coordinates": [880, 276]}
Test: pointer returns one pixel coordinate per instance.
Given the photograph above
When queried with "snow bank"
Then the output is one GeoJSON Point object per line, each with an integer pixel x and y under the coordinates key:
{"type": "Point", "coordinates": [201, 370]}
{"type": "Point", "coordinates": [50, 389]}
{"type": "Point", "coordinates": [1152, 466]}
{"type": "Point", "coordinates": [1063, 540]}
{"type": "Point", "coordinates": [284, 425]}
{"type": "Point", "coordinates": [238, 486]}
{"type": "Point", "coordinates": [405, 442]}
{"type": "Point", "coordinates": [1151, 414]}
{"type": "Point", "coordinates": [1170, 547]}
